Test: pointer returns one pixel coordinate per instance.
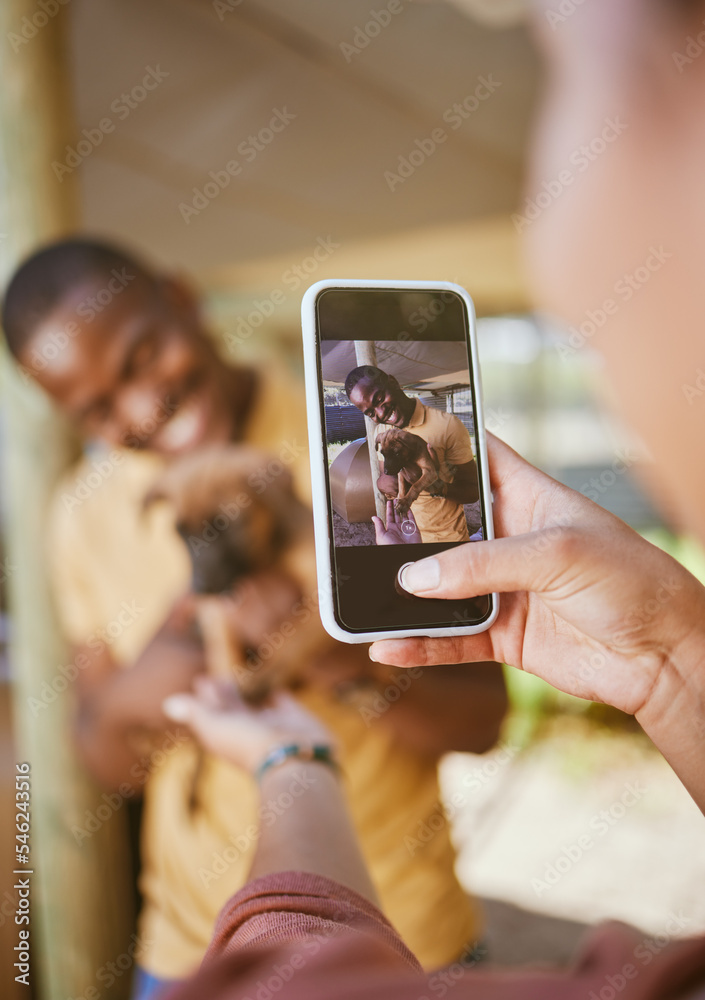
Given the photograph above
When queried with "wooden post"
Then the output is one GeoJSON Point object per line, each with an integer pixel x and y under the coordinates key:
{"type": "Point", "coordinates": [366, 354]}
{"type": "Point", "coordinates": [81, 915]}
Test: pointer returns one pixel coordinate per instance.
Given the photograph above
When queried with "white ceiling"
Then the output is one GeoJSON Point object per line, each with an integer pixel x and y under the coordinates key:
{"type": "Point", "coordinates": [323, 175]}
{"type": "Point", "coordinates": [415, 364]}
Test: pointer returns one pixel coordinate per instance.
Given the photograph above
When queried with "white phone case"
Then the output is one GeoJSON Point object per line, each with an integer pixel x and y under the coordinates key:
{"type": "Point", "coordinates": [321, 520]}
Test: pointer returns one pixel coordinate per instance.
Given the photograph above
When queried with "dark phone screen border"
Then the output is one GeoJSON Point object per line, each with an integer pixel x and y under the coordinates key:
{"type": "Point", "coordinates": [365, 595]}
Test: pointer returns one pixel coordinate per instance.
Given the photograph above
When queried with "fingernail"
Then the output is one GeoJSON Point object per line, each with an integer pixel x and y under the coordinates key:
{"type": "Point", "coordinates": [372, 656]}
{"type": "Point", "coordinates": [176, 707]}
{"type": "Point", "coordinates": [420, 577]}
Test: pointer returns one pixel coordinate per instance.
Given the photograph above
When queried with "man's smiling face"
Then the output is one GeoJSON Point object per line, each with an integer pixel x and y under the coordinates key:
{"type": "Point", "coordinates": [140, 373]}
{"type": "Point", "coordinates": [383, 401]}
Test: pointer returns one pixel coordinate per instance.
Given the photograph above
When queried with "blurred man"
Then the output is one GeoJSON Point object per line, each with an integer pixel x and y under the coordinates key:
{"type": "Point", "coordinates": [125, 353]}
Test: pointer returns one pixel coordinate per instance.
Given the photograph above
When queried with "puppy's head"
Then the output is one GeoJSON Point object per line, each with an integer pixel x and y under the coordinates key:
{"type": "Point", "coordinates": [393, 451]}
{"type": "Point", "coordinates": [235, 509]}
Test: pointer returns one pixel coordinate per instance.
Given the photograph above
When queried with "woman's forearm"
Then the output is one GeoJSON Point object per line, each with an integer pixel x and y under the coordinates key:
{"type": "Point", "coordinates": [306, 827]}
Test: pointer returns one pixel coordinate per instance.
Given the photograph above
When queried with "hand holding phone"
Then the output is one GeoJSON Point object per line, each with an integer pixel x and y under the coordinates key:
{"type": "Point", "coordinates": [398, 455]}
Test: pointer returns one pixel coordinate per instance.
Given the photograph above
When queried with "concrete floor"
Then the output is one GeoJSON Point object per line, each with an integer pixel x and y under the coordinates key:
{"type": "Point", "coordinates": [582, 827]}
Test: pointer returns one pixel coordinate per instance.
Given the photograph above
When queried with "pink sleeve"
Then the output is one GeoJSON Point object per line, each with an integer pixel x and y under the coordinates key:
{"type": "Point", "coordinates": [270, 940]}
{"type": "Point", "coordinates": [294, 906]}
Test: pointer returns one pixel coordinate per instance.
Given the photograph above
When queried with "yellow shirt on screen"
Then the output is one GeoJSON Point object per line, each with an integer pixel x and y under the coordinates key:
{"type": "Point", "coordinates": [440, 519]}
{"type": "Point", "coordinates": [106, 553]}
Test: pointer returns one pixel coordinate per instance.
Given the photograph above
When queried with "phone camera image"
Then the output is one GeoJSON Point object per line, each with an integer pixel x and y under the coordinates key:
{"type": "Point", "coordinates": [398, 410]}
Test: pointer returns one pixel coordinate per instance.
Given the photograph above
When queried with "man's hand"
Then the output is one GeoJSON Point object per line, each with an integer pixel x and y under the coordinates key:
{"type": "Point", "coordinates": [314, 832]}
{"type": "Point", "coordinates": [398, 529]}
{"type": "Point", "coordinates": [388, 486]}
{"type": "Point", "coordinates": [227, 727]}
{"type": "Point", "coordinates": [589, 605]}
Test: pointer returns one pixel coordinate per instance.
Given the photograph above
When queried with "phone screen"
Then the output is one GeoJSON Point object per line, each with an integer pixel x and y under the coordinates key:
{"type": "Point", "coordinates": [398, 403]}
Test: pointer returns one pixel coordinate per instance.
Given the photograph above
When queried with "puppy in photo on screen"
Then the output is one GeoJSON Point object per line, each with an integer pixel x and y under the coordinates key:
{"type": "Point", "coordinates": [236, 511]}
{"type": "Point", "coordinates": [414, 462]}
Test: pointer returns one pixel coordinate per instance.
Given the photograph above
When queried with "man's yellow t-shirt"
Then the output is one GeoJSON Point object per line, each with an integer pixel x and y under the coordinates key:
{"type": "Point", "coordinates": [439, 519]}
{"type": "Point", "coordinates": [106, 554]}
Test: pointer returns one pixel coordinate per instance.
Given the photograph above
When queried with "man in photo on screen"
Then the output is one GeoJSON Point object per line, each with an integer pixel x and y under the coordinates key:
{"type": "Point", "coordinates": [440, 517]}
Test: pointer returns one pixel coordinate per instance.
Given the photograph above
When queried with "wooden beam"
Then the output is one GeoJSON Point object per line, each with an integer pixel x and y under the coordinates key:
{"type": "Point", "coordinates": [81, 915]}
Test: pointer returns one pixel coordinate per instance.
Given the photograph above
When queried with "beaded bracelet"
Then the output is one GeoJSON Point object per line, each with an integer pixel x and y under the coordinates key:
{"type": "Point", "coordinates": [279, 755]}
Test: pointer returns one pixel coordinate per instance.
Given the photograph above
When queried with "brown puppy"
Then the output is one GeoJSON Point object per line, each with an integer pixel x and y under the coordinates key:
{"type": "Point", "coordinates": [237, 513]}
{"type": "Point", "coordinates": [413, 461]}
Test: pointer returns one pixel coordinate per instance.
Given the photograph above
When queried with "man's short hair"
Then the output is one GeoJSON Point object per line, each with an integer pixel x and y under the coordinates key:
{"type": "Point", "coordinates": [49, 274]}
{"type": "Point", "coordinates": [364, 371]}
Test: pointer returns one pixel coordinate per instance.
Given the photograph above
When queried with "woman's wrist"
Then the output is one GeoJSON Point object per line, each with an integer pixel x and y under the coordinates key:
{"type": "Point", "coordinates": [311, 781]}
{"type": "Point", "coordinates": [679, 685]}
{"type": "Point", "coordinates": [283, 753]}
{"type": "Point", "coordinates": [673, 716]}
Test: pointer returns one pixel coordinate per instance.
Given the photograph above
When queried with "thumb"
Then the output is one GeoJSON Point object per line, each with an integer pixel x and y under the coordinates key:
{"type": "Point", "coordinates": [503, 565]}
{"type": "Point", "coordinates": [380, 530]}
{"type": "Point", "coordinates": [186, 710]}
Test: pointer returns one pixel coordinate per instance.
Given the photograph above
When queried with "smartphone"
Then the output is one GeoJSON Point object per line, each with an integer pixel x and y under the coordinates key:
{"type": "Point", "coordinates": [394, 408]}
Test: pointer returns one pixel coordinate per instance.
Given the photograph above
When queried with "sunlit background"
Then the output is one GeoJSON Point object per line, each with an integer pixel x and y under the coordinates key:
{"type": "Point", "coordinates": [354, 185]}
